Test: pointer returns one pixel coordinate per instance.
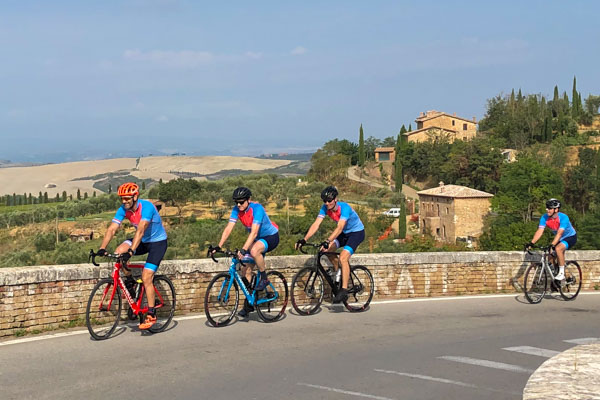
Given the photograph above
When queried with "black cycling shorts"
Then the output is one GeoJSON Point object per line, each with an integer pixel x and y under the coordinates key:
{"type": "Point", "coordinates": [155, 250]}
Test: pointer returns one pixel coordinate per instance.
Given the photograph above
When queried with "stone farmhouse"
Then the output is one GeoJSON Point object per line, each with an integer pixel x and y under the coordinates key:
{"type": "Point", "coordinates": [453, 213]}
{"type": "Point", "coordinates": [434, 124]}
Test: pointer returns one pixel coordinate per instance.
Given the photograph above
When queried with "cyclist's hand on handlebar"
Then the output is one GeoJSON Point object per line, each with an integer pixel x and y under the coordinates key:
{"type": "Point", "coordinates": [528, 246]}
{"type": "Point", "coordinates": [325, 244]}
{"type": "Point", "coordinates": [101, 252]}
{"type": "Point", "coordinates": [299, 244]}
{"type": "Point", "coordinates": [213, 250]}
{"type": "Point", "coordinates": [126, 256]}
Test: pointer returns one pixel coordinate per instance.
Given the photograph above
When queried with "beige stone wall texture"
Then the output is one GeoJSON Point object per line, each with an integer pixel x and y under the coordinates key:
{"type": "Point", "coordinates": [49, 297]}
{"type": "Point", "coordinates": [469, 215]}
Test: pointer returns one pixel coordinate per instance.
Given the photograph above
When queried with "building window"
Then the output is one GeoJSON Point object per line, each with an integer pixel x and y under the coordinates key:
{"type": "Point", "coordinates": [453, 122]}
{"type": "Point", "coordinates": [437, 232]}
{"type": "Point", "coordinates": [447, 211]}
{"type": "Point", "coordinates": [384, 156]}
{"type": "Point", "coordinates": [464, 127]}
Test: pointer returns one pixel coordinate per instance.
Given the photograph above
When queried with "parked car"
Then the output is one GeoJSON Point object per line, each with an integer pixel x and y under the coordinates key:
{"type": "Point", "coordinates": [392, 212]}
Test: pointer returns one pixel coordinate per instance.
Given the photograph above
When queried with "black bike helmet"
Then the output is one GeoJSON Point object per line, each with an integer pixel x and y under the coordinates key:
{"type": "Point", "coordinates": [552, 204]}
{"type": "Point", "coordinates": [241, 193]}
{"type": "Point", "coordinates": [329, 193]}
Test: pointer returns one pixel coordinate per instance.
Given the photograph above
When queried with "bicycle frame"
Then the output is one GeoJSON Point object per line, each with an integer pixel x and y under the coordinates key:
{"type": "Point", "coordinates": [251, 297]}
{"type": "Point", "coordinates": [318, 267]}
{"type": "Point", "coordinates": [546, 265]}
{"type": "Point", "coordinates": [136, 305]}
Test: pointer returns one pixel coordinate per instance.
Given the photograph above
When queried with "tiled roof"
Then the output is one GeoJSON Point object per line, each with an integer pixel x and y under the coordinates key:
{"type": "Point", "coordinates": [430, 128]}
{"type": "Point", "coordinates": [435, 114]}
{"type": "Point", "coordinates": [454, 191]}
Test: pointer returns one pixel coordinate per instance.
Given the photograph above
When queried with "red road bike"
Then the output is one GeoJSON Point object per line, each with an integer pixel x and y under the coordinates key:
{"type": "Point", "coordinates": [103, 311]}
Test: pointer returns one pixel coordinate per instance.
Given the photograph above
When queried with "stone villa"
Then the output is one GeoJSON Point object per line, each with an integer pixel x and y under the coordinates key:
{"type": "Point", "coordinates": [432, 124]}
{"type": "Point", "coordinates": [453, 213]}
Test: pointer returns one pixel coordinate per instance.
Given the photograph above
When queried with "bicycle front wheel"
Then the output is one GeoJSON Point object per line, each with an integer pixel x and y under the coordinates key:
{"type": "Point", "coordinates": [103, 309]}
{"type": "Point", "coordinates": [164, 303]}
{"type": "Point", "coordinates": [535, 284]}
{"type": "Point", "coordinates": [277, 294]}
{"type": "Point", "coordinates": [307, 291]}
{"type": "Point", "coordinates": [570, 287]}
{"type": "Point", "coordinates": [360, 289]}
{"type": "Point", "coordinates": [221, 299]}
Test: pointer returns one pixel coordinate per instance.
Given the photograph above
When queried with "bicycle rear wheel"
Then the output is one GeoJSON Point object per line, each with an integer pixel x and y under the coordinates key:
{"type": "Point", "coordinates": [360, 289]}
{"type": "Point", "coordinates": [221, 299]}
{"type": "Point", "coordinates": [570, 287]}
{"type": "Point", "coordinates": [535, 284]}
{"type": "Point", "coordinates": [277, 290]}
{"type": "Point", "coordinates": [307, 291]}
{"type": "Point", "coordinates": [164, 303]}
{"type": "Point", "coordinates": [103, 309]}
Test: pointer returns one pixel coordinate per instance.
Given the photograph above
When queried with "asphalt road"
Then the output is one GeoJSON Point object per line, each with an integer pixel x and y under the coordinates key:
{"type": "Point", "coordinates": [461, 348]}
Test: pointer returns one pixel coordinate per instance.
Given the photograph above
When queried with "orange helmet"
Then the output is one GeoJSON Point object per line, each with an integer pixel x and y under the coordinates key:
{"type": "Point", "coordinates": [128, 189]}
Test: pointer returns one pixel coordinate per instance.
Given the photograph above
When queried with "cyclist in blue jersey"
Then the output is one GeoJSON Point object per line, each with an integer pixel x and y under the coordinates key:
{"type": "Point", "coordinates": [150, 238]}
{"type": "Point", "coordinates": [349, 233]}
{"type": "Point", "coordinates": [565, 236]}
{"type": "Point", "coordinates": [263, 237]}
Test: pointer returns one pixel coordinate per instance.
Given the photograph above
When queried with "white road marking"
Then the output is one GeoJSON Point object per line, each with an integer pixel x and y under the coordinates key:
{"type": "Point", "coordinates": [448, 381]}
{"type": "Point", "coordinates": [587, 340]}
{"type": "Point", "coordinates": [358, 394]}
{"type": "Point", "coordinates": [36, 338]}
{"type": "Point", "coordinates": [534, 351]}
{"type": "Point", "coordinates": [427, 378]}
{"type": "Point", "coordinates": [487, 363]}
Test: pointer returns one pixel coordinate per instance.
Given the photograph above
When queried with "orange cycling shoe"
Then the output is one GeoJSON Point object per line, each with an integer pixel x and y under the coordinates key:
{"type": "Point", "coordinates": [150, 320]}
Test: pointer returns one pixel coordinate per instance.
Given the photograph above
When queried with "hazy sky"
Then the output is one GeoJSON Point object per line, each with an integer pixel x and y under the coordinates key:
{"type": "Point", "coordinates": [240, 77]}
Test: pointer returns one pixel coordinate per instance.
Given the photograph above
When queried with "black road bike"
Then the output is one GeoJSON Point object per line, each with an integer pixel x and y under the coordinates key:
{"type": "Point", "coordinates": [308, 288]}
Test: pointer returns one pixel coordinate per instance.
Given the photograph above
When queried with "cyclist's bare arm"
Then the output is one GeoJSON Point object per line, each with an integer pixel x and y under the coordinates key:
{"type": "Point", "coordinates": [139, 233]}
{"type": "Point", "coordinates": [110, 233]}
{"type": "Point", "coordinates": [226, 233]}
{"type": "Point", "coordinates": [338, 229]}
{"type": "Point", "coordinates": [537, 235]}
{"type": "Point", "coordinates": [556, 239]}
{"type": "Point", "coordinates": [253, 235]}
{"type": "Point", "coordinates": [313, 228]}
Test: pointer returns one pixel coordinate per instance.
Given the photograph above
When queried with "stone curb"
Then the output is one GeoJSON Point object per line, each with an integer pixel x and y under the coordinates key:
{"type": "Point", "coordinates": [570, 375]}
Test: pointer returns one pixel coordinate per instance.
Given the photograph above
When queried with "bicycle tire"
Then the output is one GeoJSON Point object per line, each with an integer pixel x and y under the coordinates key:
{"type": "Point", "coordinates": [272, 311]}
{"type": "Point", "coordinates": [164, 303]}
{"type": "Point", "coordinates": [535, 284]}
{"type": "Point", "coordinates": [572, 282]}
{"type": "Point", "coordinates": [101, 321]}
{"type": "Point", "coordinates": [360, 289]}
{"type": "Point", "coordinates": [219, 312]}
{"type": "Point", "coordinates": [307, 291]}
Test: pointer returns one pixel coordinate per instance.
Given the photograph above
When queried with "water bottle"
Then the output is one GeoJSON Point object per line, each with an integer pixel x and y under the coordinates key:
{"type": "Point", "coordinates": [338, 275]}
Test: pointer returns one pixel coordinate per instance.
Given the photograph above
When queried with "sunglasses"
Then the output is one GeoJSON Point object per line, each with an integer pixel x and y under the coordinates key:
{"type": "Point", "coordinates": [328, 200]}
{"type": "Point", "coordinates": [240, 202]}
{"type": "Point", "coordinates": [126, 198]}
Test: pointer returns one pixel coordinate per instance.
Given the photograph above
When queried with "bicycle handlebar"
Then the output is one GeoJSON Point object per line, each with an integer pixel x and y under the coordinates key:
{"type": "Point", "coordinates": [315, 245]}
{"type": "Point", "coordinates": [117, 257]}
{"type": "Point", "coordinates": [228, 253]}
{"type": "Point", "coordinates": [528, 248]}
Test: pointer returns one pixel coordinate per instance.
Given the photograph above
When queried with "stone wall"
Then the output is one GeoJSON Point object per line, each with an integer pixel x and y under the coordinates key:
{"type": "Point", "coordinates": [49, 297]}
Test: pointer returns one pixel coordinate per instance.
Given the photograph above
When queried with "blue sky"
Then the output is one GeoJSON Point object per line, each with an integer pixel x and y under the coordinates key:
{"type": "Point", "coordinates": [91, 79]}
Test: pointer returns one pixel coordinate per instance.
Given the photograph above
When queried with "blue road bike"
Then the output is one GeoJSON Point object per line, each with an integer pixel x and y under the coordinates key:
{"type": "Point", "coordinates": [223, 293]}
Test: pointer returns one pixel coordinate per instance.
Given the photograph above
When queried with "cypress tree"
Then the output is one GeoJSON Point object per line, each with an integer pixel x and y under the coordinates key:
{"type": "Point", "coordinates": [7, 199]}
{"type": "Point", "coordinates": [64, 195]}
{"type": "Point", "coordinates": [57, 198]}
{"type": "Point", "coordinates": [45, 197]}
{"type": "Point", "coordinates": [78, 194]}
{"type": "Point", "coordinates": [109, 188]}
{"type": "Point", "coordinates": [24, 198]}
{"type": "Point", "coordinates": [144, 185]}
{"type": "Point", "coordinates": [30, 199]}
{"type": "Point", "coordinates": [85, 195]}
{"type": "Point", "coordinates": [361, 148]}
{"type": "Point", "coordinates": [94, 194]}
{"type": "Point", "coordinates": [402, 219]}
{"type": "Point", "coordinates": [398, 177]}
{"type": "Point", "coordinates": [40, 198]}
{"type": "Point", "coordinates": [410, 127]}
{"type": "Point", "coordinates": [574, 109]}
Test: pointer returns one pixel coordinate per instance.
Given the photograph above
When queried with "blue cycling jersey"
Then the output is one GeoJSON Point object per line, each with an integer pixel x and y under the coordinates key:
{"type": "Point", "coordinates": [254, 214]}
{"type": "Point", "coordinates": [560, 222]}
{"type": "Point", "coordinates": [343, 211]}
{"type": "Point", "coordinates": [146, 211]}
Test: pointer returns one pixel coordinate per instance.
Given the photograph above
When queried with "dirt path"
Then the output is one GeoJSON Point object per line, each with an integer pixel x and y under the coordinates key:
{"type": "Point", "coordinates": [354, 174]}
